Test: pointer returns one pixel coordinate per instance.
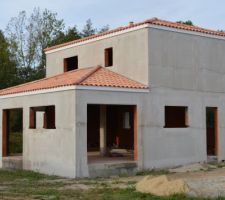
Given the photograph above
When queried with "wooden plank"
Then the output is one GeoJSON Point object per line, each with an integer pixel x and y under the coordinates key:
{"type": "Point", "coordinates": [32, 118]}
{"type": "Point", "coordinates": [4, 132]}
{"type": "Point", "coordinates": [135, 134]}
{"type": "Point", "coordinates": [216, 128]}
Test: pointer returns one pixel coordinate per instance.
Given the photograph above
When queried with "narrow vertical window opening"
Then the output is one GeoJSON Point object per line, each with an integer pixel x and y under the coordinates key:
{"type": "Point", "coordinates": [109, 57]}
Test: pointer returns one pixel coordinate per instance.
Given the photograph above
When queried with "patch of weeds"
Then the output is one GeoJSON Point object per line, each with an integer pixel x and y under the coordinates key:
{"type": "Point", "coordinates": [153, 172]}
{"type": "Point", "coordinates": [220, 165]}
{"type": "Point", "coordinates": [117, 181]}
{"type": "Point", "coordinates": [44, 192]}
{"type": "Point", "coordinates": [102, 184]}
{"type": "Point", "coordinates": [131, 182]}
{"type": "Point", "coordinates": [9, 175]}
{"type": "Point", "coordinates": [86, 182]}
{"type": "Point", "coordinates": [131, 194]}
{"type": "Point", "coordinates": [31, 185]}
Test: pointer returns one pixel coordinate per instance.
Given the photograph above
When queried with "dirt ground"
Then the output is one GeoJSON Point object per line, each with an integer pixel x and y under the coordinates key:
{"type": "Point", "coordinates": [203, 181]}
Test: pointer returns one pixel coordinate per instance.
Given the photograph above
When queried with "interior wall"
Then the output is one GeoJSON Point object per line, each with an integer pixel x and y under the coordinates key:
{"type": "Point", "coordinates": [115, 130]}
{"type": "Point", "coordinates": [116, 134]}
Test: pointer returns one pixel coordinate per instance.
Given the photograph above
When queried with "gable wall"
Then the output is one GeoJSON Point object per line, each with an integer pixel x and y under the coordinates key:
{"type": "Point", "coordinates": [129, 52]}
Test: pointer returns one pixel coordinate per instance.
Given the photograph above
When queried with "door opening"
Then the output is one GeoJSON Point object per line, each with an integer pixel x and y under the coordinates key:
{"type": "Point", "coordinates": [111, 133]}
{"type": "Point", "coordinates": [12, 132]}
{"type": "Point", "coordinates": [212, 130]}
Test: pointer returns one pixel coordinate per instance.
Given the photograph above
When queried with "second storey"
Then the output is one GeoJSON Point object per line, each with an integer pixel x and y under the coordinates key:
{"type": "Point", "coordinates": [124, 52]}
{"type": "Point", "coordinates": [156, 52]}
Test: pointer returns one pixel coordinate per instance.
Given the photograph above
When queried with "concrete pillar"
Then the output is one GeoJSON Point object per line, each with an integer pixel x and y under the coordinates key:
{"type": "Point", "coordinates": [103, 130]}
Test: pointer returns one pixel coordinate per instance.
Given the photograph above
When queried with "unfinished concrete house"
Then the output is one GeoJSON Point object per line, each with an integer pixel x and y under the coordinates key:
{"type": "Point", "coordinates": [147, 95]}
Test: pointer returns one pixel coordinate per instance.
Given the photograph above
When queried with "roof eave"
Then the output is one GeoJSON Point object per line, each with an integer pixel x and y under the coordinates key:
{"type": "Point", "coordinates": [75, 87]}
{"type": "Point", "coordinates": [101, 37]}
{"type": "Point", "coordinates": [179, 30]}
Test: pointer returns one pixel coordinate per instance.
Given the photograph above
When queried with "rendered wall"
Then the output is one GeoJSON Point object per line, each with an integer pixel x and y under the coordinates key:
{"type": "Point", "coordinates": [129, 52]}
{"type": "Point", "coordinates": [50, 151]}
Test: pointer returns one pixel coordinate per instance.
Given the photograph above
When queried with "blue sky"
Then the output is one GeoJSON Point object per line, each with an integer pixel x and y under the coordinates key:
{"type": "Point", "coordinates": [205, 13]}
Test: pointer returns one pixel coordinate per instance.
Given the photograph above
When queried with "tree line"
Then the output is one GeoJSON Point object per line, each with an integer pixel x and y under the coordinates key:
{"type": "Point", "coordinates": [22, 44]}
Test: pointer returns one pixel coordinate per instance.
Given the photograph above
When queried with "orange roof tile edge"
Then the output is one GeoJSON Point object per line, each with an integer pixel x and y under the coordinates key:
{"type": "Point", "coordinates": [91, 76]}
{"type": "Point", "coordinates": [11, 90]}
{"type": "Point", "coordinates": [154, 21]}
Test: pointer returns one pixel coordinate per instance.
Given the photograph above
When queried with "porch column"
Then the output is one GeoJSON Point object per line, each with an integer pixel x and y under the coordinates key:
{"type": "Point", "coordinates": [103, 130]}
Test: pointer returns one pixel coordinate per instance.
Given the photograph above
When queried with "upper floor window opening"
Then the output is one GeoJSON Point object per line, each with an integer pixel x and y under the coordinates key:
{"type": "Point", "coordinates": [109, 57]}
{"type": "Point", "coordinates": [70, 63]}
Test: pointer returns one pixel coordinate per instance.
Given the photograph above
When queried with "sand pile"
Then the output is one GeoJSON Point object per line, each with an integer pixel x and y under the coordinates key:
{"type": "Point", "coordinates": [161, 186]}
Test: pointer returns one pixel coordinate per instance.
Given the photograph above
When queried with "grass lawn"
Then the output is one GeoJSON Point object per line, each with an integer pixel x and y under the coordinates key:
{"type": "Point", "coordinates": [30, 185]}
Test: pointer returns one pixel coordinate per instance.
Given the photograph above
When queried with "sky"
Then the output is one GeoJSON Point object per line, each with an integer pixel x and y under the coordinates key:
{"type": "Point", "coordinates": [205, 13]}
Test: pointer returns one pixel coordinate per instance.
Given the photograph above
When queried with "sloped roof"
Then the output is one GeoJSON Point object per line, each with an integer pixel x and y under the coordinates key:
{"type": "Point", "coordinates": [154, 21]}
{"type": "Point", "coordinates": [92, 76]}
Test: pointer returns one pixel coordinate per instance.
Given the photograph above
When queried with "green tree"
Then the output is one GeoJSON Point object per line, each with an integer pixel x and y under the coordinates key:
{"type": "Point", "coordinates": [67, 36]}
{"type": "Point", "coordinates": [28, 37]}
{"type": "Point", "coordinates": [88, 29]}
{"type": "Point", "coordinates": [73, 34]}
{"type": "Point", "coordinates": [188, 22]}
{"type": "Point", "coordinates": [104, 29]}
{"type": "Point", "coordinates": [7, 64]}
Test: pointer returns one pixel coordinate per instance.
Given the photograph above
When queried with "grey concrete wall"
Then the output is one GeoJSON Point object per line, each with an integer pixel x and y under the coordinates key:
{"type": "Point", "coordinates": [158, 147]}
{"type": "Point", "coordinates": [50, 151]}
{"type": "Point", "coordinates": [184, 70]}
{"type": "Point", "coordinates": [85, 97]}
{"type": "Point", "coordinates": [129, 52]}
{"type": "Point", "coordinates": [166, 147]}
{"type": "Point", "coordinates": [185, 61]}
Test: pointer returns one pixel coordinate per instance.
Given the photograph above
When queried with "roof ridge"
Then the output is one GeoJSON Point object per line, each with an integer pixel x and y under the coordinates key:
{"type": "Point", "coordinates": [151, 20]}
{"type": "Point", "coordinates": [120, 28]}
{"type": "Point", "coordinates": [186, 26]}
{"type": "Point", "coordinates": [154, 21]}
{"type": "Point", "coordinates": [100, 67]}
{"type": "Point", "coordinates": [128, 78]}
{"type": "Point", "coordinates": [88, 74]}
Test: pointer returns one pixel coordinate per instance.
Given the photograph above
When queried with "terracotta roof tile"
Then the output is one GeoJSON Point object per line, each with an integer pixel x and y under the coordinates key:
{"type": "Point", "coordinates": [107, 78]}
{"type": "Point", "coordinates": [154, 21]}
{"type": "Point", "coordinates": [92, 76]}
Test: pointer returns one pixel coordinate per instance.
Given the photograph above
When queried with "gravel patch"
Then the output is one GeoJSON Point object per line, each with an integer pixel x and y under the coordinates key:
{"type": "Point", "coordinates": [206, 187]}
